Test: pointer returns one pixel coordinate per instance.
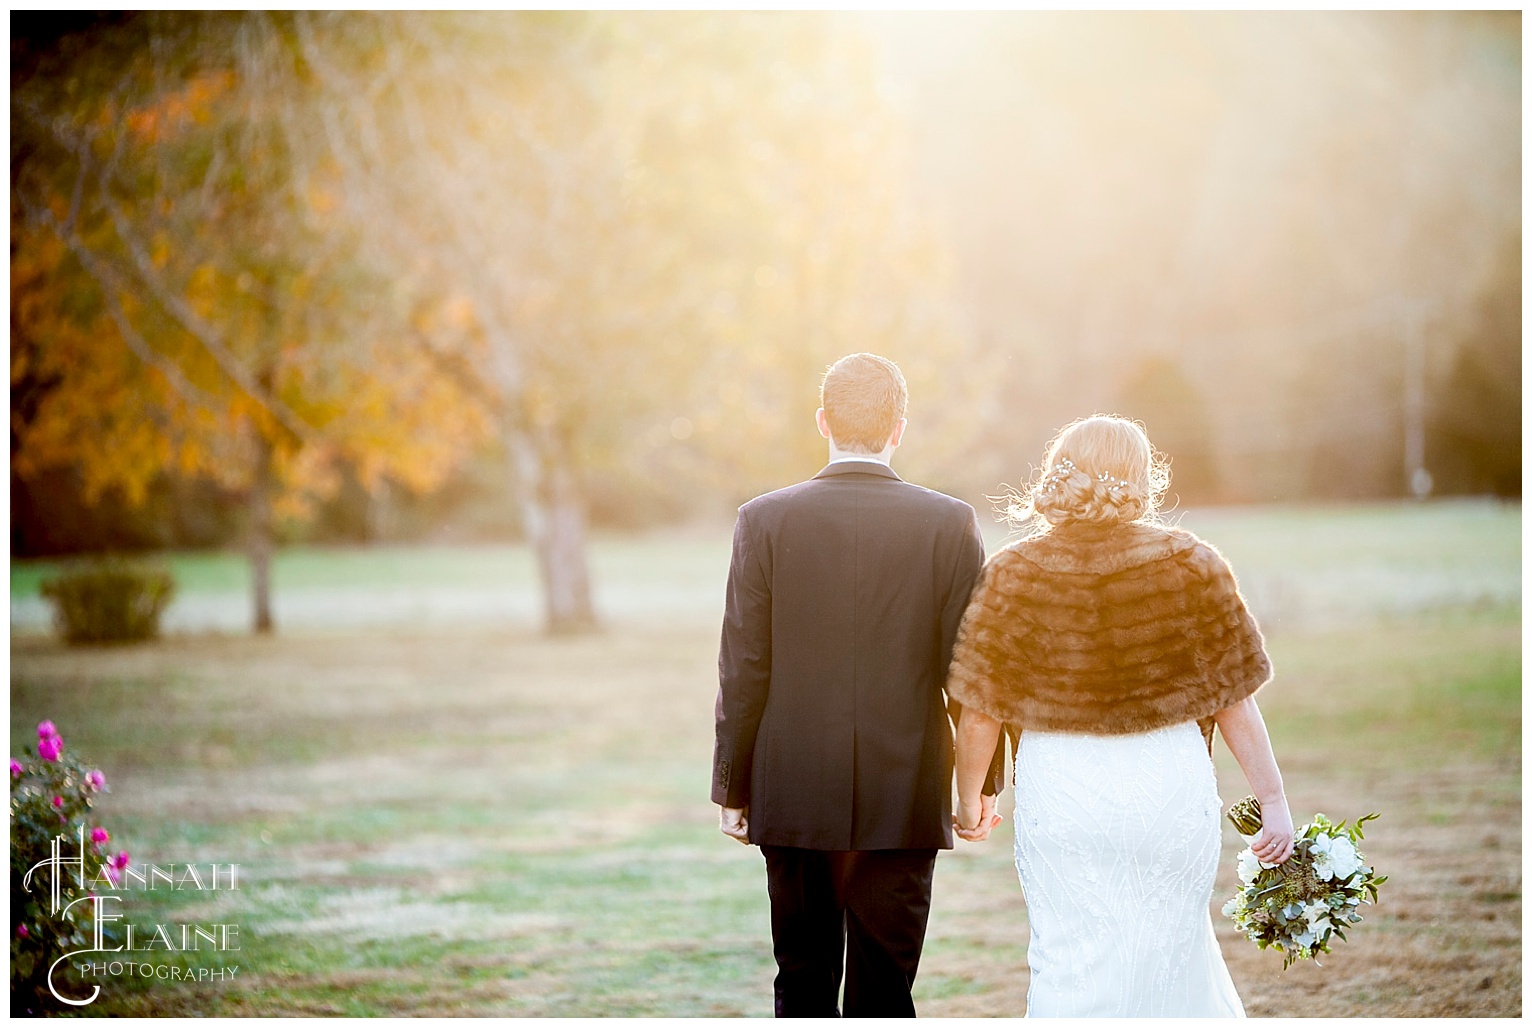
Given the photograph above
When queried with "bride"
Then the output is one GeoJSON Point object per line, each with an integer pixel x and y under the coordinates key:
{"type": "Point", "coordinates": [1114, 645]}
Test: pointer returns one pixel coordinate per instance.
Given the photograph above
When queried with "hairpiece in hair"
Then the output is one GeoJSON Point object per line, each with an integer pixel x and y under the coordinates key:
{"type": "Point", "coordinates": [1116, 485]}
{"type": "Point", "coordinates": [1062, 469]}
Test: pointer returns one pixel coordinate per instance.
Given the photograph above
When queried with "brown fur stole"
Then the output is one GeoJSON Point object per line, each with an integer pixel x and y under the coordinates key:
{"type": "Point", "coordinates": [1107, 630]}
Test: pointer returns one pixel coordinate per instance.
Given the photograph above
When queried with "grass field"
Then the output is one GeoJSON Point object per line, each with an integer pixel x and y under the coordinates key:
{"type": "Point", "coordinates": [470, 818]}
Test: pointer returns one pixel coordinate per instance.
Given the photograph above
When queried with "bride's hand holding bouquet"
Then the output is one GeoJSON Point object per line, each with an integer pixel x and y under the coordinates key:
{"type": "Point", "coordinates": [1273, 839]}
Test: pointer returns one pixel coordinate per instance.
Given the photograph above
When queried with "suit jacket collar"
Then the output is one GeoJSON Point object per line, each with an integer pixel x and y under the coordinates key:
{"type": "Point", "coordinates": [859, 467]}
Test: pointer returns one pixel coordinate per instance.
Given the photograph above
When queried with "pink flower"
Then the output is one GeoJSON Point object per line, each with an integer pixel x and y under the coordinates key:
{"type": "Point", "coordinates": [98, 835]}
{"type": "Point", "coordinates": [58, 802]}
{"type": "Point", "coordinates": [21, 930]}
{"type": "Point", "coordinates": [17, 768]}
{"type": "Point", "coordinates": [50, 747]}
{"type": "Point", "coordinates": [95, 779]}
{"type": "Point", "coordinates": [121, 859]}
{"type": "Point", "coordinates": [45, 729]}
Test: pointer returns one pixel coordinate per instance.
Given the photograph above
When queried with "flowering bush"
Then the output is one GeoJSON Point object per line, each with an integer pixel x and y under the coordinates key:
{"type": "Point", "coordinates": [51, 796]}
{"type": "Point", "coordinates": [1296, 907]}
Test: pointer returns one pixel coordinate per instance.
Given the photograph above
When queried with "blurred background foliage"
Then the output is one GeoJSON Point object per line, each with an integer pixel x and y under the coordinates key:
{"type": "Point", "coordinates": [393, 277]}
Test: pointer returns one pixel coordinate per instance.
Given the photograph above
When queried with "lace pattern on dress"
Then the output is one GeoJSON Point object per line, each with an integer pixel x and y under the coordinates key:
{"type": "Point", "coordinates": [1117, 844]}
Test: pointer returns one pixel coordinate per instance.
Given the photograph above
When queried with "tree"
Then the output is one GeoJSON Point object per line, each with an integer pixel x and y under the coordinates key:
{"type": "Point", "coordinates": [1474, 432]}
{"type": "Point", "coordinates": [1255, 194]}
{"type": "Point", "coordinates": [182, 296]}
{"type": "Point", "coordinates": [661, 225]}
{"type": "Point", "coordinates": [617, 243]}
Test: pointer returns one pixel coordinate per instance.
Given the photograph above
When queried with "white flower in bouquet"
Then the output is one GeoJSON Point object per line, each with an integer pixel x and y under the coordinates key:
{"type": "Point", "coordinates": [1249, 866]}
{"type": "Point", "coordinates": [1334, 857]}
{"type": "Point", "coordinates": [1317, 914]}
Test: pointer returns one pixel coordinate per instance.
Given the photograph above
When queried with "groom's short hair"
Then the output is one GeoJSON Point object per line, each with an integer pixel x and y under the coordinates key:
{"type": "Point", "coordinates": [863, 396]}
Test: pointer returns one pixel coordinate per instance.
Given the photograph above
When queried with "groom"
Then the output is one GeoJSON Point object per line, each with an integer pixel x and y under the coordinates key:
{"type": "Point", "coordinates": [834, 748]}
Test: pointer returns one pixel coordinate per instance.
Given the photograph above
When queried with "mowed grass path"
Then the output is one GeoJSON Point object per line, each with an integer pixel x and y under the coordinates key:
{"type": "Point", "coordinates": [481, 820]}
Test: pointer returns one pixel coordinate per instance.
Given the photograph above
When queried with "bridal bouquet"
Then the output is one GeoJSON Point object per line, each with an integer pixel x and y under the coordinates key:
{"type": "Point", "coordinates": [1296, 907]}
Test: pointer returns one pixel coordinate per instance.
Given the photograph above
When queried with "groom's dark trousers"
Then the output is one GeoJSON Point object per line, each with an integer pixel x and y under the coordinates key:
{"type": "Point", "coordinates": [868, 906]}
{"type": "Point", "coordinates": [844, 598]}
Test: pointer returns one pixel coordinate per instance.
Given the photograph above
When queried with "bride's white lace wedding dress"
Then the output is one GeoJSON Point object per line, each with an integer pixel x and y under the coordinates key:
{"type": "Point", "coordinates": [1117, 840]}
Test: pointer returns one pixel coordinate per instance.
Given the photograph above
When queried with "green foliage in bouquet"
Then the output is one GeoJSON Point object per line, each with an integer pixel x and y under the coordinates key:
{"type": "Point", "coordinates": [1299, 906]}
{"type": "Point", "coordinates": [110, 600]}
{"type": "Point", "coordinates": [51, 796]}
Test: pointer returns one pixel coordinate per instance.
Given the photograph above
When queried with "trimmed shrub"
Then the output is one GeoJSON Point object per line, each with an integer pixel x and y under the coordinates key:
{"type": "Point", "coordinates": [110, 600]}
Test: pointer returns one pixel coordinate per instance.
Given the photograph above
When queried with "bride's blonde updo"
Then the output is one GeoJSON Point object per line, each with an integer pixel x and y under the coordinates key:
{"type": "Point", "coordinates": [1100, 470]}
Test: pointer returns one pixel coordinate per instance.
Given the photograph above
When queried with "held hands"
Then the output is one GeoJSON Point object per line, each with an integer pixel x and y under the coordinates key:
{"type": "Point", "coordinates": [735, 823]}
{"type": "Point", "coordinates": [981, 817]}
{"type": "Point", "coordinates": [1274, 843]}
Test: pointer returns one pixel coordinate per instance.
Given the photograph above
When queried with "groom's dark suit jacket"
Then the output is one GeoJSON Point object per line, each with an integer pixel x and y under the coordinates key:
{"type": "Point", "coordinates": [844, 598]}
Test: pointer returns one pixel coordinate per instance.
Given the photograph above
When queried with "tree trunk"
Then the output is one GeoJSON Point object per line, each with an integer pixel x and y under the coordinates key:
{"type": "Point", "coordinates": [259, 539]}
{"type": "Point", "coordinates": [554, 511]}
{"type": "Point", "coordinates": [379, 513]}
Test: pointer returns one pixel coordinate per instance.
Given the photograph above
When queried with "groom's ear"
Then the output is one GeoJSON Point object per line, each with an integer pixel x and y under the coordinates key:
{"type": "Point", "coordinates": [823, 422]}
{"type": "Point", "coordinates": [898, 433]}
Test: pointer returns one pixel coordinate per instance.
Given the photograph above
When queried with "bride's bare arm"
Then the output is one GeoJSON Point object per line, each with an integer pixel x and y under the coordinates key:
{"type": "Point", "coordinates": [977, 736]}
{"type": "Point", "coordinates": [1244, 731]}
